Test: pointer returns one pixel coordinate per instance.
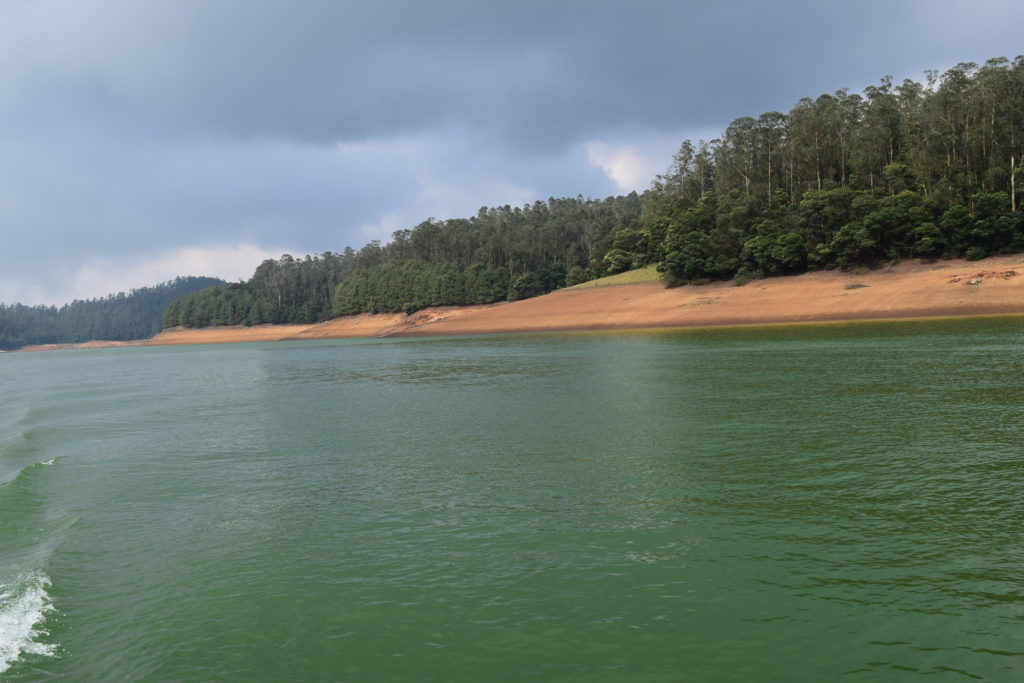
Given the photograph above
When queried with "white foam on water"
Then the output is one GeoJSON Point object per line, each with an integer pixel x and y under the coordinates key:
{"type": "Point", "coordinates": [23, 606]}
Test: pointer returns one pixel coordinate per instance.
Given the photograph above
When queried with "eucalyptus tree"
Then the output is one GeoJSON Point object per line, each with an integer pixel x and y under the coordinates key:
{"type": "Point", "coordinates": [771, 140]}
{"type": "Point", "coordinates": [735, 155]}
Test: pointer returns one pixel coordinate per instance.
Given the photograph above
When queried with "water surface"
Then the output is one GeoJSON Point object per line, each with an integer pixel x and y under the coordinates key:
{"type": "Point", "coordinates": [840, 502]}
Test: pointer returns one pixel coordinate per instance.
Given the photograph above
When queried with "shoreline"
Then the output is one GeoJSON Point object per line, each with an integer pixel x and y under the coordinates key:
{"type": "Point", "coordinates": [904, 291]}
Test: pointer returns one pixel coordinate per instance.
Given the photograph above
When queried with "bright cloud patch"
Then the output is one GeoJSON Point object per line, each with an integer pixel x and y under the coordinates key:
{"type": "Point", "coordinates": [381, 229]}
{"type": "Point", "coordinates": [99, 277]}
{"type": "Point", "coordinates": [629, 169]}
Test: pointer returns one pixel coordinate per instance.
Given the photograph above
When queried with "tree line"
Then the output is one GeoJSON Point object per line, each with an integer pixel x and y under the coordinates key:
{"type": "Point", "coordinates": [502, 253]}
{"type": "Point", "coordinates": [119, 317]}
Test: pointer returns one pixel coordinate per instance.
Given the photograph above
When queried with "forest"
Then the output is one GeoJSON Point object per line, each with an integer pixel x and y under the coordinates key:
{"type": "Point", "coordinates": [117, 317]}
{"type": "Point", "coordinates": [918, 170]}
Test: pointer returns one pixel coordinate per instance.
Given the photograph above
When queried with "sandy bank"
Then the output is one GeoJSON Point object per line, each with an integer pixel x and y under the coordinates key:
{"type": "Point", "coordinates": [225, 334]}
{"type": "Point", "coordinates": [909, 290]}
{"type": "Point", "coordinates": [83, 345]}
{"type": "Point", "coordinates": [906, 290]}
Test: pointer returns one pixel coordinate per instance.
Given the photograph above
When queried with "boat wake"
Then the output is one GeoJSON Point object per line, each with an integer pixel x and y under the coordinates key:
{"type": "Point", "coordinates": [23, 607]}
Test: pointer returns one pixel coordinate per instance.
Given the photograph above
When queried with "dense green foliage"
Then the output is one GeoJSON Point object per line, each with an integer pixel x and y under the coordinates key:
{"type": "Point", "coordinates": [411, 285]}
{"type": "Point", "coordinates": [917, 170]}
{"type": "Point", "coordinates": [287, 290]}
{"type": "Point", "coordinates": [910, 171]}
{"type": "Point", "coordinates": [501, 253]}
{"type": "Point", "coordinates": [136, 315]}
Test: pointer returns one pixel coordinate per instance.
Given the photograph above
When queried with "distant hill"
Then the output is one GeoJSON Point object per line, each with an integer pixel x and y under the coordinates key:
{"type": "Point", "coordinates": [116, 317]}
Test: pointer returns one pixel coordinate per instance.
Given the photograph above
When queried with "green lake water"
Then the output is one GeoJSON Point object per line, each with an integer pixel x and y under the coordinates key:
{"type": "Point", "coordinates": [811, 504]}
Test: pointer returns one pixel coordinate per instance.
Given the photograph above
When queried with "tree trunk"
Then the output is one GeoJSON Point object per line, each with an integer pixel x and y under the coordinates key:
{"type": "Point", "coordinates": [817, 160]}
{"type": "Point", "coordinates": [1013, 182]}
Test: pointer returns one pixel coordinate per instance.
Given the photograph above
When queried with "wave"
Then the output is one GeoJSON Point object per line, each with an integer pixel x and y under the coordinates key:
{"type": "Point", "coordinates": [23, 607]}
{"type": "Point", "coordinates": [27, 539]}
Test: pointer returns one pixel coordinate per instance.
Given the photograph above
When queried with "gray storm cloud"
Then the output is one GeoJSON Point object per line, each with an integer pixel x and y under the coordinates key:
{"type": "Point", "coordinates": [130, 131]}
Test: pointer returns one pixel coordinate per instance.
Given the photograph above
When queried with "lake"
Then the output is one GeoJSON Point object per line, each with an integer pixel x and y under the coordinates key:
{"type": "Point", "coordinates": [835, 502]}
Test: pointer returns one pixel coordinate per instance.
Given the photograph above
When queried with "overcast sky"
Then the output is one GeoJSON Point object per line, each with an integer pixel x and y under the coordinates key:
{"type": "Point", "coordinates": [144, 139]}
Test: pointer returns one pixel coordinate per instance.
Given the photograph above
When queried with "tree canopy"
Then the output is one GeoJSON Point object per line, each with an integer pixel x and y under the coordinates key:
{"type": "Point", "coordinates": [915, 170]}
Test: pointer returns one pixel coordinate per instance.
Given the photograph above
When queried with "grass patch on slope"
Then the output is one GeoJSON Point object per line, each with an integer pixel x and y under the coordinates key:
{"type": "Point", "coordinates": [646, 274]}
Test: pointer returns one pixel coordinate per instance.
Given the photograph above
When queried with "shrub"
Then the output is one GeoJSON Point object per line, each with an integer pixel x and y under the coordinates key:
{"type": "Point", "coordinates": [577, 275]}
{"type": "Point", "coordinates": [617, 260]}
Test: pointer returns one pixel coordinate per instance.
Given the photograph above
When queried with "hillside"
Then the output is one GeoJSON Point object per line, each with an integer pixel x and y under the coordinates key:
{"type": "Point", "coordinates": [914, 170]}
{"type": "Point", "coordinates": [137, 314]}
